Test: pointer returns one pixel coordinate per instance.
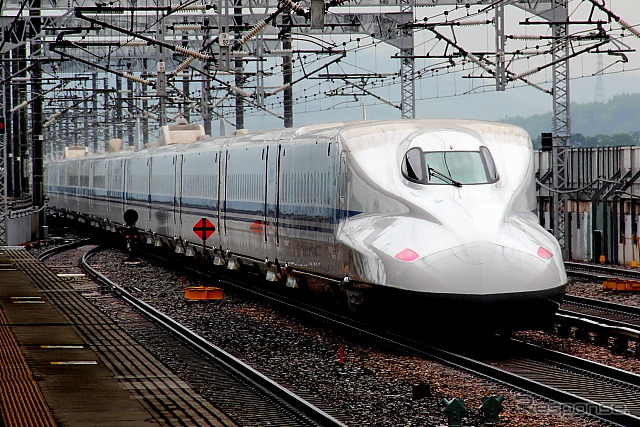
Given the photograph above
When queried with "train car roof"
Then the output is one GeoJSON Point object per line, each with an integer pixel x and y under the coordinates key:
{"type": "Point", "coordinates": [354, 134]}
{"type": "Point", "coordinates": [481, 129]}
{"type": "Point", "coordinates": [359, 128]}
{"type": "Point", "coordinates": [355, 129]}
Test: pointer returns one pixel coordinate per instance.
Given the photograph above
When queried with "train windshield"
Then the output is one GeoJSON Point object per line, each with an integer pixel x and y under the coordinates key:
{"type": "Point", "coordinates": [450, 167]}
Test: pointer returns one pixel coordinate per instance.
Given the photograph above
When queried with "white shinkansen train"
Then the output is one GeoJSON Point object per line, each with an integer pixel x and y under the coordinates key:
{"type": "Point", "coordinates": [431, 217]}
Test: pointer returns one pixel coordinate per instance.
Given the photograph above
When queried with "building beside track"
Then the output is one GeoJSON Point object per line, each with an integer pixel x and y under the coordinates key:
{"type": "Point", "coordinates": [603, 190]}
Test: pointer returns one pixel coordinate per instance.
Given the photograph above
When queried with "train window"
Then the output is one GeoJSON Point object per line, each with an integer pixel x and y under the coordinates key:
{"type": "Point", "coordinates": [413, 165]}
{"type": "Point", "coordinates": [450, 167]}
{"type": "Point", "coordinates": [489, 165]}
{"type": "Point", "coordinates": [99, 181]}
{"type": "Point", "coordinates": [459, 167]}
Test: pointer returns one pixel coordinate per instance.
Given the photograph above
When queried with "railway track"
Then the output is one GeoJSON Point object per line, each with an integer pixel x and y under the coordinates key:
{"type": "Point", "coordinates": [577, 385]}
{"type": "Point", "coordinates": [261, 400]}
{"type": "Point", "coordinates": [609, 313]}
{"type": "Point", "coordinates": [595, 273]}
{"type": "Point", "coordinates": [168, 400]}
{"type": "Point", "coordinates": [602, 318]}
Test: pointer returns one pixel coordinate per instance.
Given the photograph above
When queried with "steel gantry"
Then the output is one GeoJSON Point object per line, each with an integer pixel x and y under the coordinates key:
{"type": "Point", "coordinates": [163, 50]}
{"type": "Point", "coordinates": [407, 69]}
{"type": "Point", "coordinates": [561, 122]}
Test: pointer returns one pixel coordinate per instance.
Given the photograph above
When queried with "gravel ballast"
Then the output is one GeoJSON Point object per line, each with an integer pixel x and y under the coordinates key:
{"type": "Point", "coordinates": [370, 386]}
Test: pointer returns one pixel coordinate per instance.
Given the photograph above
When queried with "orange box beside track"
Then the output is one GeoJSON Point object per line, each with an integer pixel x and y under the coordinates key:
{"type": "Point", "coordinates": [621, 285]}
{"type": "Point", "coordinates": [201, 293]}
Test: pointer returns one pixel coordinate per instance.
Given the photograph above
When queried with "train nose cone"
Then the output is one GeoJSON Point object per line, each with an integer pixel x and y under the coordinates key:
{"type": "Point", "coordinates": [484, 268]}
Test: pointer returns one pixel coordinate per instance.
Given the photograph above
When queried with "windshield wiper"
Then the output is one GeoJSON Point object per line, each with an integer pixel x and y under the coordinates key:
{"type": "Point", "coordinates": [444, 177]}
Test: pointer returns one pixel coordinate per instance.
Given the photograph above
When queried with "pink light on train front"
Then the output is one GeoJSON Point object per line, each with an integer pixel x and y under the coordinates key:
{"type": "Point", "coordinates": [543, 253]}
{"type": "Point", "coordinates": [407, 255]}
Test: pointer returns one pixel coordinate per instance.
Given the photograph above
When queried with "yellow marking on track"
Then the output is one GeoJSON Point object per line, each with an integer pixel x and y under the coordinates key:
{"type": "Point", "coordinates": [76, 362]}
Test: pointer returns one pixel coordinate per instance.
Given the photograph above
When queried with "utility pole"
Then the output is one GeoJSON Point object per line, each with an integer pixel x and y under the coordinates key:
{"type": "Point", "coordinates": [287, 71]}
{"type": "Point", "coordinates": [131, 128]}
{"type": "Point", "coordinates": [161, 76]}
{"type": "Point", "coordinates": [94, 107]}
{"type": "Point", "coordinates": [239, 67]}
{"type": "Point", "coordinates": [186, 88]}
{"type": "Point", "coordinates": [37, 143]}
{"type": "Point", "coordinates": [145, 106]}
{"type": "Point", "coordinates": [501, 72]}
{"type": "Point", "coordinates": [107, 116]}
{"type": "Point", "coordinates": [37, 138]}
{"type": "Point", "coordinates": [206, 95]}
{"type": "Point", "coordinates": [117, 122]}
{"type": "Point", "coordinates": [5, 96]}
{"type": "Point", "coordinates": [12, 123]}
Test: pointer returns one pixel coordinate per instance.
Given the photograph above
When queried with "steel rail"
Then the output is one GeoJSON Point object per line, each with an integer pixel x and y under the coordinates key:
{"type": "Point", "coordinates": [65, 247]}
{"type": "Point", "coordinates": [599, 272]}
{"type": "Point", "coordinates": [602, 317]}
{"type": "Point", "coordinates": [626, 310]}
{"type": "Point", "coordinates": [606, 392]}
{"type": "Point", "coordinates": [165, 396]}
{"type": "Point", "coordinates": [565, 397]}
{"type": "Point", "coordinates": [608, 327]}
{"type": "Point", "coordinates": [269, 387]}
{"type": "Point", "coordinates": [571, 400]}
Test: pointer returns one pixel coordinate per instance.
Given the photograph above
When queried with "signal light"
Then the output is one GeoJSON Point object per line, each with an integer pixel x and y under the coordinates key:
{"type": "Point", "coordinates": [407, 255]}
{"type": "Point", "coordinates": [1, 126]}
{"type": "Point", "coordinates": [544, 254]}
{"type": "Point", "coordinates": [131, 233]}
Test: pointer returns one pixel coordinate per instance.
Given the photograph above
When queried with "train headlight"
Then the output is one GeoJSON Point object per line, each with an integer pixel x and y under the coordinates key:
{"type": "Point", "coordinates": [544, 254]}
{"type": "Point", "coordinates": [407, 255]}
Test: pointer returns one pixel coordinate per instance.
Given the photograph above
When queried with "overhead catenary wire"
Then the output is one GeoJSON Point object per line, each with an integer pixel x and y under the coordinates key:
{"type": "Point", "coordinates": [464, 63]}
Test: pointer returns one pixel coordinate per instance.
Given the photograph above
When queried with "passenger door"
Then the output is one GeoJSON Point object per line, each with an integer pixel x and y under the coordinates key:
{"type": "Point", "coordinates": [342, 211]}
{"type": "Point", "coordinates": [177, 193]}
{"type": "Point", "coordinates": [271, 223]}
{"type": "Point", "coordinates": [222, 196]}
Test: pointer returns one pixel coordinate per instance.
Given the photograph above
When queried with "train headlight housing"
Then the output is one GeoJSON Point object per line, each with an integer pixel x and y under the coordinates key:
{"type": "Point", "coordinates": [407, 255]}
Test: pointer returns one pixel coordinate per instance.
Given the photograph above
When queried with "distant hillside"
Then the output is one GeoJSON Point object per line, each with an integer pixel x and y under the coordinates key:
{"type": "Point", "coordinates": [621, 115]}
